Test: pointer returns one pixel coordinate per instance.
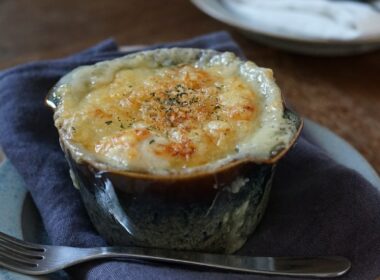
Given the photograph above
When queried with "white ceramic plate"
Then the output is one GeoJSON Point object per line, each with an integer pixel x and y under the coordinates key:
{"type": "Point", "coordinates": [20, 218]}
{"type": "Point", "coordinates": [217, 10]}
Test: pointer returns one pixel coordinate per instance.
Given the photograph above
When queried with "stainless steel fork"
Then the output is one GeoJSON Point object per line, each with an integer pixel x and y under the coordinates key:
{"type": "Point", "coordinates": [35, 259]}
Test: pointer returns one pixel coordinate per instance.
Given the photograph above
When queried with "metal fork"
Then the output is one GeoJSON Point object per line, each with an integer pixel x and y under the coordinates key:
{"type": "Point", "coordinates": [35, 259]}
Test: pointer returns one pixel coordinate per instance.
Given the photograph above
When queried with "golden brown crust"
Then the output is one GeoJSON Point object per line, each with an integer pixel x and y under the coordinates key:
{"type": "Point", "coordinates": [182, 111]}
{"type": "Point", "coordinates": [171, 111]}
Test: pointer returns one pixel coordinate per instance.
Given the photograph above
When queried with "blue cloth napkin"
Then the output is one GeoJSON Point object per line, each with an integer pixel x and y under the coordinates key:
{"type": "Point", "coordinates": [317, 207]}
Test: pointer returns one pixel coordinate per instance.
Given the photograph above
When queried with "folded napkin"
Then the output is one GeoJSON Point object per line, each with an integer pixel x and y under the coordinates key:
{"type": "Point", "coordinates": [316, 207]}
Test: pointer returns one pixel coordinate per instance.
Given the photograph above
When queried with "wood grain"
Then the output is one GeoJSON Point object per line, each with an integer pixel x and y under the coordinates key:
{"type": "Point", "coordinates": [340, 93]}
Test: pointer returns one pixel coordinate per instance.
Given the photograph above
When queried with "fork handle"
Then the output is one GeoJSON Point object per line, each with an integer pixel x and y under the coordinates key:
{"type": "Point", "coordinates": [330, 266]}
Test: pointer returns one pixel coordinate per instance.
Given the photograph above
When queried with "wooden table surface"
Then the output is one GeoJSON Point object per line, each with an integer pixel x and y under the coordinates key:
{"type": "Point", "coordinates": [342, 94]}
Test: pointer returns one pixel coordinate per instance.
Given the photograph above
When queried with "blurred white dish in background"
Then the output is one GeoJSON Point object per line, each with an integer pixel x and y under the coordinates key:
{"type": "Point", "coordinates": [316, 27]}
{"type": "Point", "coordinates": [316, 19]}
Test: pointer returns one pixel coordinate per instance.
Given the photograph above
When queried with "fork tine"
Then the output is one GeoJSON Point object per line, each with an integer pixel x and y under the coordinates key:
{"type": "Point", "coordinates": [21, 243]}
{"type": "Point", "coordinates": [18, 257]}
{"type": "Point", "coordinates": [19, 250]}
{"type": "Point", "coordinates": [18, 266]}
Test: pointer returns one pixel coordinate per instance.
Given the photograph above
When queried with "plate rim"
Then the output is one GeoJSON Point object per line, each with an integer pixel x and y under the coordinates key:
{"type": "Point", "coordinates": [319, 135]}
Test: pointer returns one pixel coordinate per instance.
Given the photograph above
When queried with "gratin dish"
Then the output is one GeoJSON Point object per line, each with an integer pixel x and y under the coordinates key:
{"type": "Point", "coordinates": [186, 203]}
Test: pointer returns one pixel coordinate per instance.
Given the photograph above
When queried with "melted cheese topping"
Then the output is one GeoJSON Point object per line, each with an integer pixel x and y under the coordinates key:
{"type": "Point", "coordinates": [170, 119]}
{"type": "Point", "coordinates": [173, 117]}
